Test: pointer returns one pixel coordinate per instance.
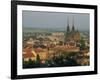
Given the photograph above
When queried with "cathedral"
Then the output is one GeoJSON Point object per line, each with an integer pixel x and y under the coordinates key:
{"type": "Point", "coordinates": [71, 34]}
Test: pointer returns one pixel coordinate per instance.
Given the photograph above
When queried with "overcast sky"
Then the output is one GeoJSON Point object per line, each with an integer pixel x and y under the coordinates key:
{"type": "Point", "coordinates": [32, 19]}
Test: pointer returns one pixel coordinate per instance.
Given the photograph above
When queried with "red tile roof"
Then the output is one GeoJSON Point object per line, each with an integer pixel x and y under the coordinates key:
{"type": "Point", "coordinates": [28, 53]}
{"type": "Point", "coordinates": [38, 50]}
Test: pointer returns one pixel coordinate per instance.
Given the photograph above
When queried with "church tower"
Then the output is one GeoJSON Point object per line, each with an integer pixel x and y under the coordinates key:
{"type": "Point", "coordinates": [71, 35]}
{"type": "Point", "coordinates": [77, 35]}
{"type": "Point", "coordinates": [68, 29]}
{"type": "Point", "coordinates": [73, 29]}
{"type": "Point", "coordinates": [67, 32]}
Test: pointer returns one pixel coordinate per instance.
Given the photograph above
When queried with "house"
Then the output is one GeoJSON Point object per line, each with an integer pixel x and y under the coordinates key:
{"type": "Point", "coordinates": [28, 53]}
{"type": "Point", "coordinates": [43, 53]}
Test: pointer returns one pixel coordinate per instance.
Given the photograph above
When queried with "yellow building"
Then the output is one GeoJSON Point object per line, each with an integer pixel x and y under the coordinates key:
{"type": "Point", "coordinates": [28, 54]}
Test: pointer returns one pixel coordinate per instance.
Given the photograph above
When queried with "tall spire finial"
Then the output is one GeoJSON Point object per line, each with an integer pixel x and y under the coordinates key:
{"type": "Point", "coordinates": [77, 30]}
{"type": "Point", "coordinates": [73, 29]}
{"type": "Point", "coordinates": [68, 29]}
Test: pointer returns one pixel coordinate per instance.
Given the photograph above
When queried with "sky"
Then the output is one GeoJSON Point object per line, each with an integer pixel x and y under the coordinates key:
{"type": "Point", "coordinates": [55, 20]}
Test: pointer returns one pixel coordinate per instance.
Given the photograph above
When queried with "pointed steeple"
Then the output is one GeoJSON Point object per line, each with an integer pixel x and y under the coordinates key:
{"type": "Point", "coordinates": [77, 30]}
{"type": "Point", "coordinates": [68, 29]}
{"type": "Point", "coordinates": [73, 29]}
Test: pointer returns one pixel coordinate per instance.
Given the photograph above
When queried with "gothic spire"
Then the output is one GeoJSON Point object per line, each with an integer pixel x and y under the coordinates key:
{"type": "Point", "coordinates": [77, 30]}
{"type": "Point", "coordinates": [68, 29]}
{"type": "Point", "coordinates": [73, 29]}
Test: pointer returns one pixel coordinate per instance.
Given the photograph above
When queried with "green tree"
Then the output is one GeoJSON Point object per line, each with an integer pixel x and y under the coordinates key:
{"type": "Point", "coordinates": [60, 43]}
{"type": "Point", "coordinates": [37, 62]}
{"type": "Point", "coordinates": [38, 58]}
{"type": "Point", "coordinates": [71, 62]}
{"type": "Point", "coordinates": [82, 42]}
{"type": "Point", "coordinates": [30, 63]}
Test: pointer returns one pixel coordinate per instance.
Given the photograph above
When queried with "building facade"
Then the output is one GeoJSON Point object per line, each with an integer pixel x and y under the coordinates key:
{"type": "Point", "coordinates": [71, 34]}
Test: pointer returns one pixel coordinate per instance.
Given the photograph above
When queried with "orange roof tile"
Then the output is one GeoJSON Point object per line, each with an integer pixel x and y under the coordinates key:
{"type": "Point", "coordinates": [28, 55]}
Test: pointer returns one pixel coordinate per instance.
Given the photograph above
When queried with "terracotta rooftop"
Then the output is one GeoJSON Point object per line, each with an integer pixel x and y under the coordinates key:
{"type": "Point", "coordinates": [38, 50]}
{"type": "Point", "coordinates": [28, 53]}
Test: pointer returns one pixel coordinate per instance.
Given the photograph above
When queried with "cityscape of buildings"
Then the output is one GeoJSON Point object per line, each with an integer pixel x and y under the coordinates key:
{"type": "Point", "coordinates": [45, 48]}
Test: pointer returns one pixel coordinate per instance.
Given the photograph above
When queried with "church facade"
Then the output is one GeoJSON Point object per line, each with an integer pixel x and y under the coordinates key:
{"type": "Point", "coordinates": [72, 34]}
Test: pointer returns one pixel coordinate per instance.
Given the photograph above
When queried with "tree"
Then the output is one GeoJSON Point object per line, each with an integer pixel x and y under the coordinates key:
{"type": "Point", "coordinates": [71, 62]}
{"type": "Point", "coordinates": [60, 43]}
{"type": "Point", "coordinates": [37, 62]}
{"type": "Point", "coordinates": [28, 64]}
{"type": "Point", "coordinates": [38, 58]}
{"type": "Point", "coordinates": [25, 63]}
{"type": "Point", "coordinates": [30, 61]}
{"type": "Point", "coordinates": [82, 42]}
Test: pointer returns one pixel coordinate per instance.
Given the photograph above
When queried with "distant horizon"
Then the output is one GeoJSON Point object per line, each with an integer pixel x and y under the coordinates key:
{"type": "Point", "coordinates": [54, 29]}
{"type": "Point", "coordinates": [54, 20]}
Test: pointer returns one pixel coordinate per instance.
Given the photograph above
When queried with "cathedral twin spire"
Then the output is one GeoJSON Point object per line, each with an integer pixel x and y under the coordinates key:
{"type": "Point", "coordinates": [73, 29]}
{"type": "Point", "coordinates": [72, 34]}
{"type": "Point", "coordinates": [68, 28]}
